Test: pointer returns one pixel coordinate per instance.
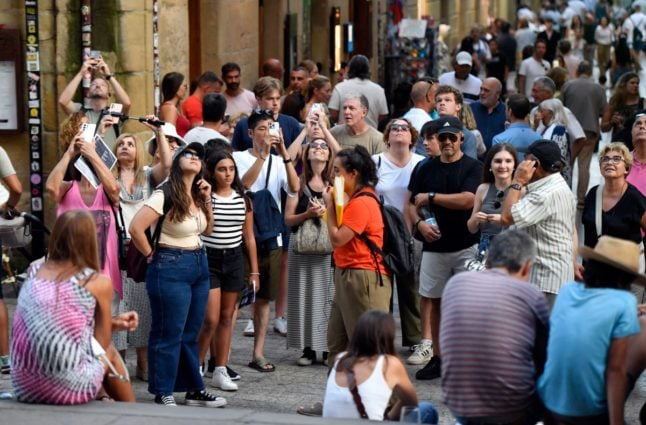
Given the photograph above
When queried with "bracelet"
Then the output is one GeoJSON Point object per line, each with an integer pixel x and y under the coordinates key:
{"type": "Point", "coordinates": [262, 157]}
{"type": "Point", "coordinates": [257, 274]}
{"type": "Point", "coordinates": [108, 77]}
{"type": "Point", "coordinates": [419, 220]}
{"type": "Point", "coordinates": [287, 161]}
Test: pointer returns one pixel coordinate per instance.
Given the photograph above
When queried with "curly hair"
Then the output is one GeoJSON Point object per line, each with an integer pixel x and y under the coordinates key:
{"type": "Point", "coordinates": [69, 128]}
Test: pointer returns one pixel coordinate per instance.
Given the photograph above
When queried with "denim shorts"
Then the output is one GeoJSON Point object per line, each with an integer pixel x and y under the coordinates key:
{"type": "Point", "coordinates": [226, 268]}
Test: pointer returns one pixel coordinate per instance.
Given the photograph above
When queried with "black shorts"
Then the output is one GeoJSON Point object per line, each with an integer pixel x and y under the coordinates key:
{"type": "Point", "coordinates": [226, 268]}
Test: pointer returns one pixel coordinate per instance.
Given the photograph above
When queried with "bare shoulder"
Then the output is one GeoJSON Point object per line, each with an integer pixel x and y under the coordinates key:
{"type": "Point", "coordinates": [99, 285]}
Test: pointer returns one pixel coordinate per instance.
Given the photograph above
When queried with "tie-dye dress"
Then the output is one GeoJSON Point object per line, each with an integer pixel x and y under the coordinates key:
{"type": "Point", "coordinates": [51, 354]}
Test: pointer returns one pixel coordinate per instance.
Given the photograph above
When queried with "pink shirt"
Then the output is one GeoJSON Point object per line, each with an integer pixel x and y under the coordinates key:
{"type": "Point", "coordinates": [105, 229]}
{"type": "Point", "coordinates": [637, 175]}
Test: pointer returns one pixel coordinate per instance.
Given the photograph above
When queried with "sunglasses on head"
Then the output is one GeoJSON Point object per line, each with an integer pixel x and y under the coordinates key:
{"type": "Point", "coordinates": [265, 112]}
{"type": "Point", "coordinates": [447, 136]}
{"type": "Point", "coordinates": [498, 202]}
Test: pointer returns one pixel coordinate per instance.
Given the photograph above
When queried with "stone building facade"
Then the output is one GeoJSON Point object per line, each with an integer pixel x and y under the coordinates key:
{"type": "Point", "coordinates": [199, 35]}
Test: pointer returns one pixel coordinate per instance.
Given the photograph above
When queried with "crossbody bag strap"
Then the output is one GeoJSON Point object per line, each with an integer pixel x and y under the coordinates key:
{"type": "Point", "coordinates": [352, 386]}
{"type": "Point", "coordinates": [597, 208]}
{"type": "Point", "coordinates": [268, 171]}
{"type": "Point", "coordinates": [372, 246]}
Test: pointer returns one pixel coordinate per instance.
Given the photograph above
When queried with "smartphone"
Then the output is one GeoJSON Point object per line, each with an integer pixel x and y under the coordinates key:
{"type": "Point", "coordinates": [316, 107]}
{"type": "Point", "coordinates": [274, 129]}
{"type": "Point", "coordinates": [87, 131]}
{"type": "Point", "coordinates": [116, 108]}
{"type": "Point", "coordinates": [95, 54]}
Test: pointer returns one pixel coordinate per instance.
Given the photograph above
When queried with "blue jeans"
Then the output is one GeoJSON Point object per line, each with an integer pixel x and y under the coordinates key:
{"type": "Point", "coordinates": [427, 413]}
{"type": "Point", "coordinates": [177, 282]}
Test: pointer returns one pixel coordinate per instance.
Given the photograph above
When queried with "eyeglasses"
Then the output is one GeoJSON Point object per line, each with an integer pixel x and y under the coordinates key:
{"type": "Point", "coordinates": [612, 159]}
{"type": "Point", "coordinates": [399, 127]}
{"type": "Point", "coordinates": [444, 137]}
{"type": "Point", "coordinates": [322, 146]}
{"type": "Point", "coordinates": [191, 155]}
{"type": "Point", "coordinates": [498, 202]}
{"type": "Point", "coordinates": [265, 112]}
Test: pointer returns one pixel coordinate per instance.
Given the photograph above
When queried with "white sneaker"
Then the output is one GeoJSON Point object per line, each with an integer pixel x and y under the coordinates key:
{"type": "Point", "coordinates": [222, 380]}
{"type": "Point", "coordinates": [280, 325]}
{"type": "Point", "coordinates": [422, 354]}
{"type": "Point", "coordinates": [249, 330]}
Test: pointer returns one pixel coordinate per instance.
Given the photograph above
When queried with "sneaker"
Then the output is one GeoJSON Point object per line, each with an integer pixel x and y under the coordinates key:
{"type": "Point", "coordinates": [5, 365]}
{"type": "Point", "coordinates": [202, 370]}
{"type": "Point", "coordinates": [422, 354]}
{"type": "Point", "coordinates": [280, 325]}
{"type": "Point", "coordinates": [210, 367]}
{"type": "Point", "coordinates": [235, 376]}
{"type": "Point", "coordinates": [204, 399]}
{"type": "Point", "coordinates": [249, 330]}
{"type": "Point", "coordinates": [222, 380]}
{"type": "Point", "coordinates": [166, 400]}
{"type": "Point", "coordinates": [307, 358]}
{"type": "Point", "coordinates": [432, 370]}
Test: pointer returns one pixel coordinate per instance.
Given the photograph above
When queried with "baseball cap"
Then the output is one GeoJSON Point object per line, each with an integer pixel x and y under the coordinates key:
{"type": "Point", "coordinates": [548, 154]}
{"type": "Point", "coordinates": [448, 125]}
{"type": "Point", "coordinates": [197, 147]}
{"type": "Point", "coordinates": [169, 131]}
{"type": "Point", "coordinates": [464, 58]}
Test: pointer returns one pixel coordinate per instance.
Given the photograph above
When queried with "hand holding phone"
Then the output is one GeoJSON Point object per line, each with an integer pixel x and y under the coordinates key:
{"type": "Point", "coordinates": [115, 108]}
{"type": "Point", "coordinates": [87, 131]}
{"type": "Point", "coordinates": [274, 129]}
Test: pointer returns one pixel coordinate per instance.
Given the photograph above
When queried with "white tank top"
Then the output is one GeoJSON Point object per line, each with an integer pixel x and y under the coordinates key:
{"type": "Point", "coordinates": [374, 393]}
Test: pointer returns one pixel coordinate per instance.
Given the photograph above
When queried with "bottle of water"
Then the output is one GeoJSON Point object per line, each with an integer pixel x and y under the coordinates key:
{"type": "Point", "coordinates": [427, 215]}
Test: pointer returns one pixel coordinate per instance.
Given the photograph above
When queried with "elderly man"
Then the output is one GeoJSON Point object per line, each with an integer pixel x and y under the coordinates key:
{"type": "Point", "coordinates": [533, 67]}
{"type": "Point", "coordinates": [238, 99]}
{"type": "Point", "coordinates": [98, 95]}
{"type": "Point", "coordinates": [506, 319]}
{"type": "Point", "coordinates": [587, 100]}
{"type": "Point", "coordinates": [489, 111]}
{"type": "Point", "coordinates": [462, 79]}
{"type": "Point", "coordinates": [546, 212]}
{"type": "Point", "coordinates": [423, 97]}
{"type": "Point", "coordinates": [356, 130]}
{"type": "Point", "coordinates": [357, 80]}
{"type": "Point", "coordinates": [443, 188]}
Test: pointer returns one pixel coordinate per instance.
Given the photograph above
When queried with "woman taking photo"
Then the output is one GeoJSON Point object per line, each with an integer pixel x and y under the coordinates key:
{"type": "Point", "coordinates": [225, 249]}
{"type": "Point", "coordinates": [553, 117]}
{"type": "Point", "coordinates": [310, 287]}
{"type": "Point", "coordinates": [136, 183]}
{"type": "Point", "coordinates": [63, 306]}
{"type": "Point", "coordinates": [394, 168]}
{"type": "Point", "coordinates": [319, 90]}
{"type": "Point", "coordinates": [622, 207]}
{"type": "Point", "coordinates": [361, 279]}
{"type": "Point", "coordinates": [173, 91]}
{"type": "Point", "coordinates": [498, 167]}
{"type": "Point", "coordinates": [618, 115]}
{"type": "Point", "coordinates": [372, 369]}
{"type": "Point", "coordinates": [177, 278]}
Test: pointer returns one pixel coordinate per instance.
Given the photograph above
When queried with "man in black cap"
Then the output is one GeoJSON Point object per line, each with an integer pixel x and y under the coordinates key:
{"type": "Point", "coordinates": [546, 212]}
{"type": "Point", "coordinates": [442, 194]}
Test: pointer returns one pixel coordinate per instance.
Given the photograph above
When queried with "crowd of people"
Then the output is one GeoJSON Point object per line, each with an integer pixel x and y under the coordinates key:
{"type": "Point", "coordinates": [277, 195]}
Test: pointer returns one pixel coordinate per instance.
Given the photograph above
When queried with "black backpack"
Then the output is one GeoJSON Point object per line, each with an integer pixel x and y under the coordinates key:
{"type": "Point", "coordinates": [398, 242]}
{"type": "Point", "coordinates": [267, 219]}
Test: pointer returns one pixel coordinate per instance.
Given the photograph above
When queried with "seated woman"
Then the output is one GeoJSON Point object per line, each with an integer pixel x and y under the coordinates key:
{"type": "Point", "coordinates": [63, 306]}
{"type": "Point", "coordinates": [364, 378]}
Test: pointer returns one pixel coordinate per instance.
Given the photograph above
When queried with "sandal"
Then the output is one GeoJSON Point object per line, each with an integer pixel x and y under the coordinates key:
{"type": "Point", "coordinates": [315, 409]}
{"type": "Point", "coordinates": [261, 364]}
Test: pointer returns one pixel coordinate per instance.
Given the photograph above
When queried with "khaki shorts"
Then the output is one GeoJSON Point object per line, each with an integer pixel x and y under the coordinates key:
{"type": "Point", "coordinates": [269, 268]}
{"type": "Point", "coordinates": [438, 267]}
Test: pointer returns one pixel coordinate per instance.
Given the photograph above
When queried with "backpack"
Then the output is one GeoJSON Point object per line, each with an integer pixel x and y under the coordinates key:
{"type": "Point", "coordinates": [398, 243]}
{"type": "Point", "coordinates": [267, 219]}
{"type": "Point", "coordinates": [638, 37]}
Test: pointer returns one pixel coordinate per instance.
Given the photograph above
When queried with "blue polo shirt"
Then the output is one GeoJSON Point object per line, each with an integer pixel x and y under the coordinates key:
{"type": "Point", "coordinates": [241, 140]}
{"type": "Point", "coordinates": [489, 124]}
{"type": "Point", "coordinates": [520, 135]}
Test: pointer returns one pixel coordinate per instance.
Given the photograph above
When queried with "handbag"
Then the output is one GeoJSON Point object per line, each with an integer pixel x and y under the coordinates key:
{"type": "Point", "coordinates": [312, 237]}
{"type": "Point", "coordinates": [136, 263]}
{"type": "Point", "coordinates": [15, 232]}
{"type": "Point", "coordinates": [478, 262]}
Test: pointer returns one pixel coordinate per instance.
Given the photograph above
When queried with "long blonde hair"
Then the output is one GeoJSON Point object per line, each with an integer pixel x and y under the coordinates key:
{"type": "Point", "coordinates": [139, 158]}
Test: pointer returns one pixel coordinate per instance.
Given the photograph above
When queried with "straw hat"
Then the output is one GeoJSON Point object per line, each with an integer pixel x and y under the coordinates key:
{"type": "Point", "coordinates": [619, 253]}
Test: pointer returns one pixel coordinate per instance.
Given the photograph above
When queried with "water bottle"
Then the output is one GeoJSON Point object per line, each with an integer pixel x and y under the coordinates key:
{"type": "Point", "coordinates": [428, 216]}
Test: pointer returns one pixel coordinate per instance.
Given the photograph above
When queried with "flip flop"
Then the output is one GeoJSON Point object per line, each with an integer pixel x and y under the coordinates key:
{"type": "Point", "coordinates": [315, 409]}
{"type": "Point", "coordinates": [262, 365]}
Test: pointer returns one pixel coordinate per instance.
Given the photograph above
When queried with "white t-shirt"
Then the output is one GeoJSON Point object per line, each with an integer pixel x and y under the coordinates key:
{"type": "Point", "coordinates": [393, 181]}
{"type": "Point", "coordinates": [574, 129]}
{"type": "Point", "coordinates": [418, 117]}
{"type": "Point", "coordinates": [531, 69]}
{"type": "Point", "coordinates": [244, 102]}
{"type": "Point", "coordinates": [470, 88]}
{"type": "Point", "coordinates": [203, 135]}
{"type": "Point", "coordinates": [277, 178]}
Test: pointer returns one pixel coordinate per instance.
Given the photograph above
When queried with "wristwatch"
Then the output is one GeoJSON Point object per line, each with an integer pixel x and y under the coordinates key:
{"type": "Point", "coordinates": [431, 197]}
{"type": "Point", "coordinates": [515, 186]}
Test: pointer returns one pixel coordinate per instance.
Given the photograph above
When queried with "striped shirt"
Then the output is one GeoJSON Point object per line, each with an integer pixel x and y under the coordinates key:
{"type": "Point", "coordinates": [491, 323]}
{"type": "Point", "coordinates": [229, 214]}
{"type": "Point", "coordinates": [547, 213]}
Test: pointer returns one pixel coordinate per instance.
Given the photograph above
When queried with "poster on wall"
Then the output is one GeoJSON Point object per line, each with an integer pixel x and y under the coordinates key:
{"type": "Point", "coordinates": [8, 100]}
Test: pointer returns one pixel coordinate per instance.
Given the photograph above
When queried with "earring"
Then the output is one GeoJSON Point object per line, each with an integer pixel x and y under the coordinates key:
{"type": "Point", "coordinates": [491, 169]}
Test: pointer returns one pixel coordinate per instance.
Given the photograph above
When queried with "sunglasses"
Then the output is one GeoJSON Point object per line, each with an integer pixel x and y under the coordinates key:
{"type": "Point", "coordinates": [399, 127]}
{"type": "Point", "coordinates": [444, 137]}
{"type": "Point", "coordinates": [265, 112]}
{"type": "Point", "coordinates": [612, 159]}
{"type": "Point", "coordinates": [191, 155]}
{"type": "Point", "coordinates": [322, 146]}
{"type": "Point", "coordinates": [498, 202]}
